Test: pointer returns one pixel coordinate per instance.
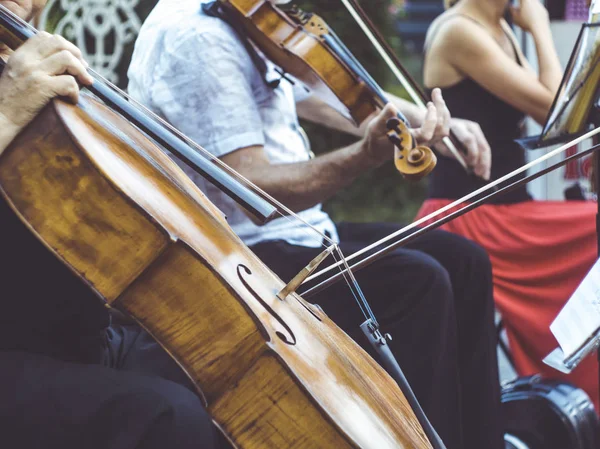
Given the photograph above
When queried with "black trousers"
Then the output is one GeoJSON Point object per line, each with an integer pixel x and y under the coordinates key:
{"type": "Point", "coordinates": [434, 297]}
{"type": "Point", "coordinates": [136, 398]}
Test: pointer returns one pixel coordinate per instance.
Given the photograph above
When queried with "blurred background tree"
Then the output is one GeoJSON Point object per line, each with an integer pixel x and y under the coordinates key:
{"type": "Point", "coordinates": [382, 194]}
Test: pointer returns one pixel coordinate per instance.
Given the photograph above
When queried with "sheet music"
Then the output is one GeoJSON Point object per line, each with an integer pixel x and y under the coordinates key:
{"type": "Point", "coordinates": [579, 319]}
{"type": "Point", "coordinates": [579, 88]}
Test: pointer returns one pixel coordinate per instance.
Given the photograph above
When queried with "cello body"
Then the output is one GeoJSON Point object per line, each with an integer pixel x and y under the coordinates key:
{"type": "Point", "coordinates": [124, 218]}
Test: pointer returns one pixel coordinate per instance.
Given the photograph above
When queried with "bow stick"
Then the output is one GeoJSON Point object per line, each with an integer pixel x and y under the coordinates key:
{"type": "Point", "coordinates": [412, 231]}
{"type": "Point", "coordinates": [394, 64]}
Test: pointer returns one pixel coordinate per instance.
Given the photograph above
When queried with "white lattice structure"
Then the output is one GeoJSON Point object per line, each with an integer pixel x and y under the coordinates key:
{"type": "Point", "coordinates": [102, 29]}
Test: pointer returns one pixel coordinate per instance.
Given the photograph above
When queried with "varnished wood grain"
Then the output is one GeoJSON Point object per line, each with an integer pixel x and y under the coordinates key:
{"type": "Point", "coordinates": [127, 220]}
{"type": "Point", "coordinates": [81, 217]}
{"type": "Point", "coordinates": [306, 57]}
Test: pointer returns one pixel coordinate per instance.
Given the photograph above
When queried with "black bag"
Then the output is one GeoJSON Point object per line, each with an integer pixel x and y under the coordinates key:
{"type": "Point", "coordinates": [550, 414]}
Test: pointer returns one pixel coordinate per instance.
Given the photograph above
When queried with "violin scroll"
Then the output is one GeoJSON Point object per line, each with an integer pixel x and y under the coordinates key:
{"type": "Point", "coordinates": [413, 162]}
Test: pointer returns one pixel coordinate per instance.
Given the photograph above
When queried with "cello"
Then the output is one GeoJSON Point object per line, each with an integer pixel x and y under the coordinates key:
{"type": "Point", "coordinates": [272, 370]}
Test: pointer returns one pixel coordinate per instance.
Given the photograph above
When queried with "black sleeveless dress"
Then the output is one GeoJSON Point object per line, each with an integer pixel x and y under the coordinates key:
{"type": "Point", "coordinates": [501, 124]}
{"type": "Point", "coordinates": [539, 250]}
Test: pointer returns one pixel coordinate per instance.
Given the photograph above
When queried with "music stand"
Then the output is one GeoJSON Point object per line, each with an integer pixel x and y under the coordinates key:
{"type": "Point", "coordinates": [575, 106]}
{"type": "Point", "coordinates": [575, 110]}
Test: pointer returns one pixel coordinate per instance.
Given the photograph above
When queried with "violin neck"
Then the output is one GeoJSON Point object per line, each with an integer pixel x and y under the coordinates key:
{"type": "Point", "coordinates": [340, 49]}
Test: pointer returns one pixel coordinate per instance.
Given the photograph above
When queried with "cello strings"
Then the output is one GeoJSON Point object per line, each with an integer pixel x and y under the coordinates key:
{"type": "Point", "coordinates": [343, 264]}
{"type": "Point", "coordinates": [287, 213]}
{"type": "Point", "coordinates": [282, 209]}
{"type": "Point", "coordinates": [485, 189]}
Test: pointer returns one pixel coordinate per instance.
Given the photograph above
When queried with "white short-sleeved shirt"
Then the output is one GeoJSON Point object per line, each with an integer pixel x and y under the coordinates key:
{"type": "Point", "coordinates": [194, 71]}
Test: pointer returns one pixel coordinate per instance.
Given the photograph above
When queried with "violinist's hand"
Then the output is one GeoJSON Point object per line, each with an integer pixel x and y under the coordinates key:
{"type": "Point", "coordinates": [375, 145]}
{"type": "Point", "coordinates": [436, 123]}
{"type": "Point", "coordinates": [434, 126]}
{"type": "Point", "coordinates": [479, 153]}
{"type": "Point", "coordinates": [44, 67]}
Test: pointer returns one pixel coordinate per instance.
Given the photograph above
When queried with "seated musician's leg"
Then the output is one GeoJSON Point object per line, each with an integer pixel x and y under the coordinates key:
{"type": "Point", "coordinates": [467, 269]}
{"type": "Point", "coordinates": [412, 298]}
{"type": "Point", "coordinates": [470, 274]}
{"type": "Point", "coordinates": [54, 404]}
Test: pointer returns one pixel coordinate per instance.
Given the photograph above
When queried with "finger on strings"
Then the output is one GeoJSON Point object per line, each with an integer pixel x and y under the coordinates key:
{"type": "Point", "coordinates": [427, 130]}
{"type": "Point", "coordinates": [49, 44]}
{"type": "Point", "coordinates": [64, 62]}
{"type": "Point", "coordinates": [65, 86]}
{"type": "Point", "coordinates": [484, 163]}
{"type": "Point", "coordinates": [442, 110]}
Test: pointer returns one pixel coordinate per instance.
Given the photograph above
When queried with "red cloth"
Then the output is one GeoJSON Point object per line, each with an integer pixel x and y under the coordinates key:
{"type": "Point", "coordinates": [540, 252]}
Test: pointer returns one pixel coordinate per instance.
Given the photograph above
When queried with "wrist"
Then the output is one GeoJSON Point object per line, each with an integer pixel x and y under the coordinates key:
{"type": "Point", "coordinates": [541, 26]}
{"type": "Point", "coordinates": [8, 131]}
{"type": "Point", "coordinates": [364, 156]}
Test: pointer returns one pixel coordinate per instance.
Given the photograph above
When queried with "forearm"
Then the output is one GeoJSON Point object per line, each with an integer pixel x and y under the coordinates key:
{"type": "Point", "coordinates": [316, 111]}
{"type": "Point", "coordinates": [550, 71]}
{"type": "Point", "coordinates": [302, 185]}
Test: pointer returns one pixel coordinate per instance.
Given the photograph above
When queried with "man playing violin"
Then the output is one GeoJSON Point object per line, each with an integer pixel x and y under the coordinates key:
{"type": "Point", "coordinates": [69, 379]}
{"type": "Point", "coordinates": [434, 296]}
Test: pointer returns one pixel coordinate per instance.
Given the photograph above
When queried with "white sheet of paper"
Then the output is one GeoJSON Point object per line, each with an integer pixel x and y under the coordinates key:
{"type": "Point", "coordinates": [556, 360]}
{"type": "Point", "coordinates": [580, 317]}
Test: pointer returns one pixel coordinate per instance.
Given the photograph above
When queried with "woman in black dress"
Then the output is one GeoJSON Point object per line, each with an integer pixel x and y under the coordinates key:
{"type": "Point", "coordinates": [540, 250]}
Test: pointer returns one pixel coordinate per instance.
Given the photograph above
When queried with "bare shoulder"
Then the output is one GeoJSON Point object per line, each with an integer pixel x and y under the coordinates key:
{"type": "Point", "coordinates": [515, 43]}
{"type": "Point", "coordinates": [453, 33]}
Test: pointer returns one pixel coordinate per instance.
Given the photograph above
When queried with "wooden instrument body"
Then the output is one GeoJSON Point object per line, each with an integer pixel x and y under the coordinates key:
{"type": "Point", "coordinates": [116, 210]}
{"type": "Point", "coordinates": [301, 52]}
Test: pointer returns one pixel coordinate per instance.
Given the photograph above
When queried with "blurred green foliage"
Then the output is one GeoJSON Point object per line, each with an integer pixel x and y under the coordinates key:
{"type": "Point", "coordinates": [379, 195]}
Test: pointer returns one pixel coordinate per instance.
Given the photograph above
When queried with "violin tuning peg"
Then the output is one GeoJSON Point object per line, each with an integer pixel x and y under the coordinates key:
{"type": "Point", "coordinates": [396, 140]}
{"type": "Point", "coordinates": [393, 124]}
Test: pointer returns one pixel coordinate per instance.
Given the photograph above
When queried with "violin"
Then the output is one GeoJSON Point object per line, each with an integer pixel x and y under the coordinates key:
{"type": "Point", "coordinates": [303, 45]}
{"type": "Point", "coordinates": [91, 182]}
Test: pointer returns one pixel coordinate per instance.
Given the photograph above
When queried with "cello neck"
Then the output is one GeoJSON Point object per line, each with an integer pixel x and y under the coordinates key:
{"type": "Point", "coordinates": [14, 31]}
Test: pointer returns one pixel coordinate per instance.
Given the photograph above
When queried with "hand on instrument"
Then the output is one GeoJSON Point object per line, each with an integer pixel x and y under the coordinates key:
{"type": "Point", "coordinates": [434, 127]}
{"type": "Point", "coordinates": [44, 67]}
{"type": "Point", "coordinates": [528, 14]}
{"type": "Point", "coordinates": [479, 153]}
{"type": "Point", "coordinates": [376, 145]}
{"type": "Point", "coordinates": [436, 123]}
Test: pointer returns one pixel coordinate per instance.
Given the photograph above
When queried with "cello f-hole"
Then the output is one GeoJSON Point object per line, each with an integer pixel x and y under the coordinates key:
{"type": "Point", "coordinates": [290, 338]}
